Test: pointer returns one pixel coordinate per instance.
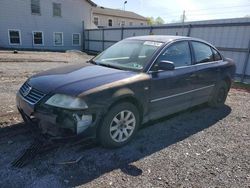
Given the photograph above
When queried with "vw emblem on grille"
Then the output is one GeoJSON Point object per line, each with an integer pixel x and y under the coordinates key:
{"type": "Point", "coordinates": [27, 91]}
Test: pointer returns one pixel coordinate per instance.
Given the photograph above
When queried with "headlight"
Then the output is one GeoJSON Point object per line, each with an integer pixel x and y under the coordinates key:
{"type": "Point", "coordinates": [66, 101]}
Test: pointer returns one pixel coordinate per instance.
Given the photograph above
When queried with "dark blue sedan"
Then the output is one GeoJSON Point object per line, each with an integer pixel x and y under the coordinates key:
{"type": "Point", "coordinates": [135, 80]}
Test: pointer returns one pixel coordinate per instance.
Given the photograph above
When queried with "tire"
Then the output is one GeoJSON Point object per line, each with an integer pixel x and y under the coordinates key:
{"type": "Point", "coordinates": [116, 131]}
{"type": "Point", "coordinates": [219, 95]}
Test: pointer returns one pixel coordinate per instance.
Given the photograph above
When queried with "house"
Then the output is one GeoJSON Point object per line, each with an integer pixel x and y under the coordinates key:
{"type": "Point", "coordinates": [44, 24]}
{"type": "Point", "coordinates": [56, 24]}
{"type": "Point", "coordinates": [107, 17]}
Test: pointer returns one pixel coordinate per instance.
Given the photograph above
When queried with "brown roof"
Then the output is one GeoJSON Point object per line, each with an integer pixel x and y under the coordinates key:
{"type": "Point", "coordinates": [92, 3]}
{"type": "Point", "coordinates": [118, 13]}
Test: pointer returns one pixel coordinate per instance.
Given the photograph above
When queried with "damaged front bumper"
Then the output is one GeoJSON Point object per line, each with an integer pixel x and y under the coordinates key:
{"type": "Point", "coordinates": [57, 122]}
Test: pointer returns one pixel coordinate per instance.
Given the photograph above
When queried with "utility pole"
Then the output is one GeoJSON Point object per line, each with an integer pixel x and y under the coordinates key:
{"type": "Point", "coordinates": [125, 2]}
{"type": "Point", "coordinates": [183, 21]}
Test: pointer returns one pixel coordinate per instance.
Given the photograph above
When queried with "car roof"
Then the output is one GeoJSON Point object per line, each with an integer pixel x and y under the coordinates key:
{"type": "Point", "coordinates": [167, 38]}
{"type": "Point", "coordinates": [159, 38]}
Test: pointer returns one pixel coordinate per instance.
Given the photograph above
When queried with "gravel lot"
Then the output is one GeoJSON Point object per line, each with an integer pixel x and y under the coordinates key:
{"type": "Point", "coordinates": [201, 147]}
{"type": "Point", "coordinates": [16, 68]}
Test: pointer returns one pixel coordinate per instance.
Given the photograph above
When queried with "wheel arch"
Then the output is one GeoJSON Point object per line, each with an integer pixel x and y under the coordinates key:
{"type": "Point", "coordinates": [228, 81]}
{"type": "Point", "coordinates": [123, 95]}
{"type": "Point", "coordinates": [130, 99]}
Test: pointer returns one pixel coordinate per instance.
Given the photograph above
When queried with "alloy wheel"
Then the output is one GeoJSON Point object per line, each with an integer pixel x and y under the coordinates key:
{"type": "Point", "coordinates": [122, 126]}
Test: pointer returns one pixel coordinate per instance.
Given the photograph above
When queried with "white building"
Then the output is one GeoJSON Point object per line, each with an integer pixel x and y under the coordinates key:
{"type": "Point", "coordinates": [55, 24]}
{"type": "Point", "coordinates": [44, 24]}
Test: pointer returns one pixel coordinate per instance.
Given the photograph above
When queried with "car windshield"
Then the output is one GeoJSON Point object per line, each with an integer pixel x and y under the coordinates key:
{"type": "Point", "coordinates": [128, 54]}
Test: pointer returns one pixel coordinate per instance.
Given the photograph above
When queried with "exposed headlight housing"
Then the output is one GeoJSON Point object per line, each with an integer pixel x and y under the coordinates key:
{"type": "Point", "coordinates": [66, 101]}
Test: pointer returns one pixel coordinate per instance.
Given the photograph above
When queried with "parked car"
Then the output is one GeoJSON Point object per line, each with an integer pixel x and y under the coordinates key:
{"type": "Point", "coordinates": [135, 80]}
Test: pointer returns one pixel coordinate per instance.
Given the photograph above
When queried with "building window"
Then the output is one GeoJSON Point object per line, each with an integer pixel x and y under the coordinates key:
{"type": "Point", "coordinates": [110, 22]}
{"type": "Point", "coordinates": [96, 21]}
{"type": "Point", "coordinates": [37, 38]}
{"type": "Point", "coordinates": [14, 37]}
{"type": "Point", "coordinates": [141, 24]}
{"type": "Point", "coordinates": [123, 23]}
{"type": "Point", "coordinates": [58, 39]}
{"type": "Point", "coordinates": [57, 10]}
{"type": "Point", "coordinates": [76, 38]}
{"type": "Point", "coordinates": [130, 23]}
{"type": "Point", "coordinates": [35, 7]}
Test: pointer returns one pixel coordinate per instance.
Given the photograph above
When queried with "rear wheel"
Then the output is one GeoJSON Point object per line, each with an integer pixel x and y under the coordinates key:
{"type": "Point", "coordinates": [119, 125]}
{"type": "Point", "coordinates": [219, 95]}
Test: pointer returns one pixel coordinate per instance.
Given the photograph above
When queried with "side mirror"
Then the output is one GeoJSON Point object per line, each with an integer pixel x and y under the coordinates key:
{"type": "Point", "coordinates": [166, 65]}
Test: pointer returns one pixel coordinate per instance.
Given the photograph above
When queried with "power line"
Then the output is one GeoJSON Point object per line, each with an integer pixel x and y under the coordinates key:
{"type": "Point", "coordinates": [197, 13]}
{"type": "Point", "coordinates": [192, 16]}
{"type": "Point", "coordinates": [215, 9]}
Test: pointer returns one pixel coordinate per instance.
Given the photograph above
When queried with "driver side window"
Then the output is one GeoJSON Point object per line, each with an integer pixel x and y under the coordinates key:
{"type": "Point", "coordinates": [178, 53]}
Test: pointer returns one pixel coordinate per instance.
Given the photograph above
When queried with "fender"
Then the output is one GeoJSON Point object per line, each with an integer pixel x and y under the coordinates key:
{"type": "Point", "coordinates": [123, 92]}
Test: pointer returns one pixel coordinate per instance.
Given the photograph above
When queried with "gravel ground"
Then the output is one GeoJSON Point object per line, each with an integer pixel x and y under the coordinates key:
{"type": "Point", "coordinates": [16, 68]}
{"type": "Point", "coordinates": [200, 147]}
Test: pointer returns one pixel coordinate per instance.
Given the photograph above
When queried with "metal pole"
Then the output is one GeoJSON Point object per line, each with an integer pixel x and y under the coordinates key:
{"type": "Point", "coordinates": [183, 20]}
{"type": "Point", "coordinates": [245, 63]}
{"type": "Point", "coordinates": [125, 2]}
{"type": "Point", "coordinates": [83, 37]}
{"type": "Point", "coordinates": [189, 30]}
{"type": "Point", "coordinates": [151, 30]}
{"type": "Point", "coordinates": [88, 40]}
{"type": "Point", "coordinates": [102, 39]}
{"type": "Point", "coordinates": [122, 33]}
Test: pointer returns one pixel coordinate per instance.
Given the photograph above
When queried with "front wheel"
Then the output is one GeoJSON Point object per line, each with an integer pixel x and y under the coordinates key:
{"type": "Point", "coordinates": [219, 95]}
{"type": "Point", "coordinates": [119, 125]}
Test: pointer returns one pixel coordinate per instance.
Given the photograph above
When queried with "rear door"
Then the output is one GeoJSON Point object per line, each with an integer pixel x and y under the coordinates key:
{"type": "Point", "coordinates": [207, 62]}
{"type": "Point", "coordinates": [171, 90]}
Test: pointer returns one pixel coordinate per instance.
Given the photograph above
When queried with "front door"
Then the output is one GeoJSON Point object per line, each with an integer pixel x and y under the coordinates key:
{"type": "Point", "coordinates": [171, 91]}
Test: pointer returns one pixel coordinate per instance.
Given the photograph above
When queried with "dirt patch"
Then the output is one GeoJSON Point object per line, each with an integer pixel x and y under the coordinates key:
{"type": "Point", "coordinates": [241, 86]}
{"type": "Point", "coordinates": [26, 56]}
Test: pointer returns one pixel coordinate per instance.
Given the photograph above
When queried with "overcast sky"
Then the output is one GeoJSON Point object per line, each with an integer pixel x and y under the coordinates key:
{"type": "Point", "coordinates": [171, 10]}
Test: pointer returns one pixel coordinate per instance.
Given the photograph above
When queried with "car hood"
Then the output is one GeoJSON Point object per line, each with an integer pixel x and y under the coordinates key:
{"type": "Point", "coordinates": [75, 79]}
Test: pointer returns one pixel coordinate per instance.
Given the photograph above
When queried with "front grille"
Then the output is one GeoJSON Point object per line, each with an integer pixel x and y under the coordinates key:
{"type": "Point", "coordinates": [32, 95]}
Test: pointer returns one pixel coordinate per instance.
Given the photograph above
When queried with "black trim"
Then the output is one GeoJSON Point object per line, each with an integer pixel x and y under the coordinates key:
{"type": "Point", "coordinates": [187, 25]}
{"type": "Point", "coordinates": [213, 49]}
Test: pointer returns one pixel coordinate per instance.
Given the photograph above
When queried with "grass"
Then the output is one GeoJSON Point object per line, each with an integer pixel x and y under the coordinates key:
{"type": "Point", "coordinates": [240, 85]}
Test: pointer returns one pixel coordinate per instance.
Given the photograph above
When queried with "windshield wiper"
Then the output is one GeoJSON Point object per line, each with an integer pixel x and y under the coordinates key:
{"type": "Point", "coordinates": [109, 65]}
{"type": "Point", "coordinates": [103, 64]}
{"type": "Point", "coordinates": [92, 62]}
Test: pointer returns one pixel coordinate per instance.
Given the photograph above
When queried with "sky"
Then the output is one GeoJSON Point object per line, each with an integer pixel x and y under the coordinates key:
{"type": "Point", "coordinates": [171, 10]}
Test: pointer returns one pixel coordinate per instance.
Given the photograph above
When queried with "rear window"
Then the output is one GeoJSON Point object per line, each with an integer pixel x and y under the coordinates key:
{"type": "Point", "coordinates": [202, 52]}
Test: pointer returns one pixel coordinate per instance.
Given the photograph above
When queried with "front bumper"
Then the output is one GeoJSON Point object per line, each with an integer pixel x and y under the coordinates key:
{"type": "Point", "coordinates": [58, 123]}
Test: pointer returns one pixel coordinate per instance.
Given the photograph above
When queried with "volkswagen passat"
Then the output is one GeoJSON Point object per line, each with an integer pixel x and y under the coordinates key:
{"type": "Point", "coordinates": [135, 80]}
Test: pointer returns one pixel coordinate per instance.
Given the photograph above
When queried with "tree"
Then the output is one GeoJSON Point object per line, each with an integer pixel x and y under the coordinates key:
{"type": "Point", "coordinates": [150, 20]}
{"type": "Point", "coordinates": [159, 21]}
